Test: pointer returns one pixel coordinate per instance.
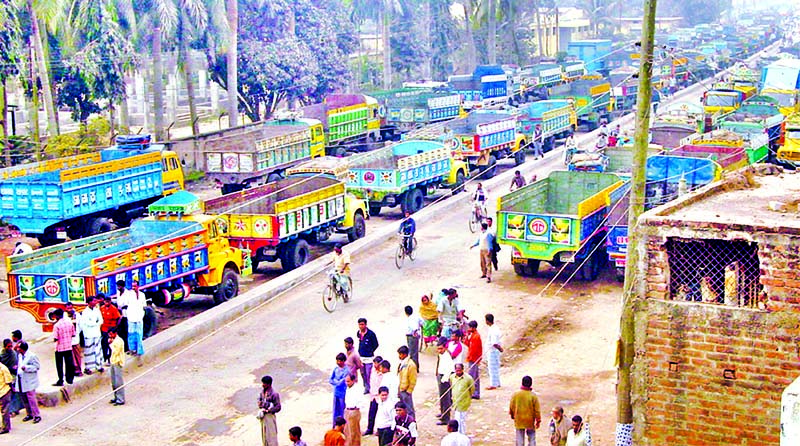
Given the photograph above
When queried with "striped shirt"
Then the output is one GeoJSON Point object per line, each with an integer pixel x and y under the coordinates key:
{"type": "Point", "coordinates": [63, 331]}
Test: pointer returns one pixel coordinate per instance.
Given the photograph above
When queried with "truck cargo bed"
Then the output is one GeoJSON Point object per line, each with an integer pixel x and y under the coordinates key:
{"type": "Point", "coordinates": [263, 199]}
{"type": "Point", "coordinates": [561, 193]}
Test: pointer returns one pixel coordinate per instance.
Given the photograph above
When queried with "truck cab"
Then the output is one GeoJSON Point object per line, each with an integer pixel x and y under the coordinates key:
{"type": "Point", "coordinates": [789, 153]}
{"type": "Point", "coordinates": [171, 172]}
{"type": "Point", "coordinates": [722, 101]}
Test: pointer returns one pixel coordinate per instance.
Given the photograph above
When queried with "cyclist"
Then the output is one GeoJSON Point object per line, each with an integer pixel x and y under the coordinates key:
{"type": "Point", "coordinates": [479, 198]}
{"type": "Point", "coordinates": [408, 227]}
{"type": "Point", "coordinates": [341, 267]}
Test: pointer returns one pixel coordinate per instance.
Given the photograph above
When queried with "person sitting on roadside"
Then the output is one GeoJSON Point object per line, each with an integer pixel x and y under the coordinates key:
{"type": "Point", "coordinates": [408, 227]}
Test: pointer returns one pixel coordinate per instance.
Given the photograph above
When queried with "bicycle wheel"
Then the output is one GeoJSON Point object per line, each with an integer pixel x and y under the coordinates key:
{"type": "Point", "coordinates": [347, 295]}
{"type": "Point", "coordinates": [413, 253]}
{"type": "Point", "coordinates": [399, 256]}
{"type": "Point", "coordinates": [329, 298]}
{"type": "Point", "coordinates": [473, 222]}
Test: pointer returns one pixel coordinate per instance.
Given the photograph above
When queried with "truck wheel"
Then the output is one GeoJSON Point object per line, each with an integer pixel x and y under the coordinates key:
{"type": "Point", "coordinates": [519, 157]}
{"type": "Point", "coordinates": [99, 225]}
{"type": "Point", "coordinates": [76, 230]}
{"type": "Point", "coordinates": [414, 200]}
{"type": "Point", "coordinates": [521, 270]}
{"type": "Point", "coordinates": [149, 323]}
{"type": "Point", "coordinates": [533, 267]}
{"type": "Point", "coordinates": [620, 275]}
{"type": "Point", "coordinates": [491, 168]}
{"type": "Point", "coordinates": [359, 228]}
{"type": "Point", "coordinates": [295, 255]}
{"type": "Point", "coordinates": [340, 152]}
{"type": "Point", "coordinates": [228, 287]}
{"type": "Point", "coordinates": [460, 179]}
{"type": "Point", "coordinates": [49, 238]}
{"type": "Point", "coordinates": [374, 210]}
{"type": "Point", "coordinates": [273, 177]}
{"type": "Point", "coordinates": [549, 144]}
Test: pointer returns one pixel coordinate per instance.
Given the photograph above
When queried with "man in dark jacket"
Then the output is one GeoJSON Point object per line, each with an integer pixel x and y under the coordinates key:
{"type": "Point", "coordinates": [367, 344]}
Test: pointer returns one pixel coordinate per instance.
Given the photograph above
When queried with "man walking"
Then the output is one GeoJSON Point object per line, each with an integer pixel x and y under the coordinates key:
{"type": "Point", "coordinates": [524, 410]}
{"type": "Point", "coordinates": [117, 361]}
{"type": "Point", "coordinates": [269, 403]}
{"type": "Point", "coordinates": [63, 331]}
{"type": "Point", "coordinates": [28, 381]}
{"type": "Point", "coordinates": [136, 302]}
{"type": "Point", "coordinates": [559, 427]}
{"type": "Point", "coordinates": [352, 411]}
{"type": "Point", "coordinates": [495, 246]}
{"type": "Point", "coordinates": [444, 367]}
{"type": "Point", "coordinates": [494, 347]}
{"type": "Point", "coordinates": [384, 416]}
{"type": "Point", "coordinates": [353, 361]}
{"type": "Point", "coordinates": [337, 381]}
{"type": "Point", "coordinates": [111, 316]}
{"type": "Point", "coordinates": [577, 436]}
{"type": "Point", "coordinates": [407, 371]}
{"type": "Point", "coordinates": [462, 387]}
{"type": "Point", "coordinates": [413, 334]}
{"type": "Point", "coordinates": [454, 437]}
{"type": "Point", "coordinates": [367, 344]}
{"type": "Point", "coordinates": [485, 242]}
{"type": "Point", "coordinates": [91, 320]}
{"type": "Point", "coordinates": [6, 381]}
{"type": "Point", "coordinates": [474, 356]}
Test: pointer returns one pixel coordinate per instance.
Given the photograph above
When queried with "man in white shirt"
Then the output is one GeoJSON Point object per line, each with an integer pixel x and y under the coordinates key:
{"type": "Point", "coordinates": [444, 368]}
{"type": "Point", "coordinates": [390, 380]}
{"type": "Point", "coordinates": [121, 301]}
{"type": "Point", "coordinates": [413, 334]}
{"type": "Point", "coordinates": [385, 416]}
{"type": "Point", "coordinates": [91, 320]}
{"type": "Point", "coordinates": [494, 348]}
{"type": "Point", "coordinates": [22, 248]}
{"type": "Point", "coordinates": [353, 397]}
{"type": "Point", "coordinates": [136, 302]}
{"type": "Point", "coordinates": [454, 437]}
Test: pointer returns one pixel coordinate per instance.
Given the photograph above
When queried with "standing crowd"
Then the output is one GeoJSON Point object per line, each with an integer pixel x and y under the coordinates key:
{"type": "Point", "coordinates": [378, 391]}
{"type": "Point", "coordinates": [85, 342]}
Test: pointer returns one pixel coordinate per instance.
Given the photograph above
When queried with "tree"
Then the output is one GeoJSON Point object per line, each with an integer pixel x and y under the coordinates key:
{"type": "Point", "coordinates": [11, 50]}
{"type": "Point", "coordinates": [282, 56]}
{"type": "Point", "coordinates": [406, 46]}
{"type": "Point", "coordinates": [50, 13]}
{"type": "Point", "coordinates": [444, 35]}
{"type": "Point", "coordinates": [232, 55]}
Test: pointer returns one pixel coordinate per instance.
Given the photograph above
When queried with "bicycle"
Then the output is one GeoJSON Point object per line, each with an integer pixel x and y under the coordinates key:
{"type": "Point", "coordinates": [402, 252]}
{"type": "Point", "coordinates": [334, 292]}
{"type": "Point", "coordinates": [476, 217]}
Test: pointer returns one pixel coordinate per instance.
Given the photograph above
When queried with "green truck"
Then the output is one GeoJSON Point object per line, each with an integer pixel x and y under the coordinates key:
{"type": "Point", "coordinates": [399, 175]}
{"type": "Point", "coordinates": [559, 219]}
{"type": "Point", "coordinates": [758, 117]}
{"type": "Point", "coordinates": [591, 97]}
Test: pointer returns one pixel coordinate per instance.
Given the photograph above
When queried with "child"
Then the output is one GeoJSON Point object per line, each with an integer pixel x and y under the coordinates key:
{"type": "Point", "coordinates": [117, 361]}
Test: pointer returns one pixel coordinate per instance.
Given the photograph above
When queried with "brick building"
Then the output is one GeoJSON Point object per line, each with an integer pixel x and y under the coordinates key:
{"type": "Point", "coordinates": [718, 312]}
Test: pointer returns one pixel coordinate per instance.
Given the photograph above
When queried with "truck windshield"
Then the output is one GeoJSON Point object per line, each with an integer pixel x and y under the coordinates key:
{"type": "Point", "coordinates": [716, 100]}
{"type": "Point", "coordinates": [793, 134]}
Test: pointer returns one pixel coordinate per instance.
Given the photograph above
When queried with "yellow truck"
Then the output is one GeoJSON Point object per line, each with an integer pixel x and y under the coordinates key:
{"type": "Point", "coordinates": [789, 152]}
{"type": "Point", "coordinates": [175, 252]}
{"type": "Point", "coordinates": [278, 221]}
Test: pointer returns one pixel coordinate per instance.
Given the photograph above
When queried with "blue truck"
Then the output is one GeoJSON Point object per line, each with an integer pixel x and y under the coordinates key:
{"type": "Point", "coordinates": [593, 52]}
{"type": "Point", "coordinates": [88, 194]}
{"type": "Point", "coordinates": [666, 175]}
{"type": "Point", "coordinates": [487, 86]}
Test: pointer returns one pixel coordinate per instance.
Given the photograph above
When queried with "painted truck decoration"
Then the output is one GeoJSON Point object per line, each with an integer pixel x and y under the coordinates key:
{"type": "Point", "coordinates": [556, 118]}
{"type": "Point", "coordinates": [262, 153]}
{"type": "Point", "coordinates": [175, 252]}
{"type": "Point", "coordinates": [350, 122]}
{"type": "Point", "coordinates": [408, 108]}
{"type": "Point", "coordinates": [559, 219]}
{"type": "Point", "coordinates": [85, 195]}
{"type": "Point", "coordinates": [280, 219]}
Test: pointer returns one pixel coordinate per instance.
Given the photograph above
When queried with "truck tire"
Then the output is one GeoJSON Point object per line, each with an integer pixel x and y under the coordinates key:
{"type": "Point", "coordinates": [99, 225]}
{"type": "Point", "coordinates": [339, 152]}
{"type": "Point", "coordinates": [519, 157]}
{"type": "Point", "coordinates": [549, 144]}
{"type": "Point", "coordinates": [295, 255]}
{"type": "Point", "coordinates": [521, 270]}
{"type": "Point", "coordinates": [414, 200]}
{"type": "Point", "coordinates": [359, 228]}
{"type": "Point", "coordinates": [529, 270]}
{"type": "Point", "coordinates": [273, 177]}
{"type": "Point", "coordinates": [228, 287]}
{"type": "Point", "coordinates": [460, 180]}
{"type": "Point", "coordinates": [374, 210]}
{"type": "Point", "coordinates": [149, 322]}
{"type": "Point", "coordinates": [76, 230]}
{"type": "Point", "coordinates": [49, 238]}
{"type": "Point", "coordinates": [491, 169]}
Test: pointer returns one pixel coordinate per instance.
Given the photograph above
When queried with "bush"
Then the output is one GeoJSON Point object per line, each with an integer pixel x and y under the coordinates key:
{"type": "Point", "coordinates": [93, 137]}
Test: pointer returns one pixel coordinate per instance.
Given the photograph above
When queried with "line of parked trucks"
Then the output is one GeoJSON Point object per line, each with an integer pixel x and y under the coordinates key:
{"type": "Point", "coordinates": [286, 186]}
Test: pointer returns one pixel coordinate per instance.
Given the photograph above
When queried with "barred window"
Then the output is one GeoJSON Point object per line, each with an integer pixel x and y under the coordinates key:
{"type": "Point", "coordinates": [714, 271]}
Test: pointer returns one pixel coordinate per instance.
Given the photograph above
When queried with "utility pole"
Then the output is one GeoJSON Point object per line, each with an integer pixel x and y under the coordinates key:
{"type": "Point", "coordinates": [638, 178]}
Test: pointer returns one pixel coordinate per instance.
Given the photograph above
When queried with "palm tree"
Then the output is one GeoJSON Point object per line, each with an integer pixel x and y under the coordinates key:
{"type": "Point", "coordinates": [470, 40]}
{"type": "Point", "coordinates": [10, 55]}
{"type": "Point", "coordinates": [232, 14]}
{"type": "Point", "coordinates": [491, 41]}
{"type": "Point", "coordinates": [52, 14]}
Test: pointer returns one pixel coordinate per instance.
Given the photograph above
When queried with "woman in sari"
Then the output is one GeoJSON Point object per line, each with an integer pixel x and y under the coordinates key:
{"type": "Point", "coordinates": [430, 320]}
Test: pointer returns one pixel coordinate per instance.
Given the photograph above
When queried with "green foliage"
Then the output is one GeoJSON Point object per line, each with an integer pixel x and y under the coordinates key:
{"type": "Point", "coordinates": [444, 38]}
{"type": "Point", "coordinates": [74, 92]}
{"type": "Point", "coordinates": [407, 48]}
{"type": "Point", "coordinates": [194, 176]}
{"type": "Point", "coordinates": [89, 138]}
{"type": "Point", "coordinates": [276, 65]}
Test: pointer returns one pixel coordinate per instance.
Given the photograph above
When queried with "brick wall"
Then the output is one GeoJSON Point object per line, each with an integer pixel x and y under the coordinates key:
{"type": "Point", "coordinates": [708, 374]}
